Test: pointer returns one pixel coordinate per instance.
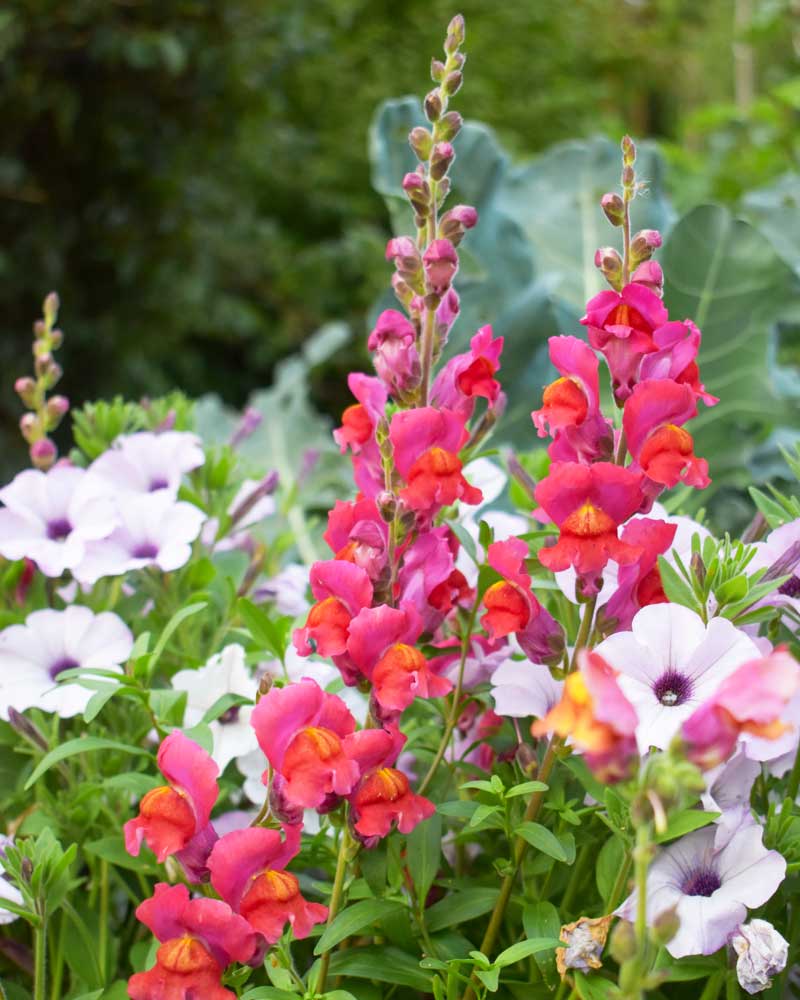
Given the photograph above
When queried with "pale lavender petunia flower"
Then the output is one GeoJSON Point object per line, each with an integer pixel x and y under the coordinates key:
{"type": "Point", "coordinates": [154, 530]}
{"type": "Point", "coordinates": [7, 890]}
{"type": "Point", "coordinates": [728, 789]}
{"type": "Point", "coordinates": [147, 462]}
{"type": "Point", "coordinates": [762, 953]}
{"type": "Point", "coordinates": [480, 664]}
{"type": "Point", "coordinates": [521, 688]}
{"type": "Point", "coordinates": [711, 889]}
{"type": "Point", "coordinates": [34, 654]}
{"type": "Point", "coordinates": [780, 551]}
{"type": "Point", "coordinates": [287, 589]}
{"type": "Point", "coordinates": [225, 673]}
{"type": "Point", "coordinates": [50, 517]}
{"type": "Point", "coordinates": [670, 663]}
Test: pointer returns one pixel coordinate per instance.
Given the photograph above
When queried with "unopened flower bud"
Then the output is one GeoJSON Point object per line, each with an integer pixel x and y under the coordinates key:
{"type": "Point", "coordinates": [448, 126]}
{"type": "Point", "coordinates": [56, 338]}
{"type": "Point", "coordinates": [421, 141]}
{"type": "Point", "coordinates": [763, 953]}
{"type": "Point", "coordinates": [651, 276]}
{"type": "Point", "coordinates": [614, 208]}
{"type": "Point", "coordinates": [443, 155]}
{"type": "Point", "coordinates": [56, 408]}
{"type": "Point", "coordinates": [628, 177]}
{"type": "Point", "coordinates": [644, 244]}
{"type": "Point", "coordinates": [26, 869]}
{"type": "Point", "coordinates": [437, 70]}
{"type": "Point", "coordinates": [50, 307]}
{"type": "Point", "coordinates": [386, 503]}
{"type": "Point", "coordinates": [43, 453]}
{"type": "Point", "coordinates": [608, 260]}
{"type": "Point", "coordinates": [452, 82]}
{"type": "Point", "coordinates": [441, 263]}
{"type": "Point", "coordinates": [698, 567]}
{"type": "Point", "coordinates": [280, 805]}
{"type": "Point", "coordinates": [25, 388]}
{"type": "Point", "coordinates": [628, 150]}
{"type": "Point", "coordinates": [29, 427]}
{"type": "Point", "coordinates": [26, 728]}
{"type": "Point", "coordinates": [264, 686]}
{"type": "Point", "coordinates": [454, 224]}
{"type": "Point", "coordinates": [433, 105]}
{"type": "Point", "coordinates": [456, 33]}
{"type": "Point", "coordinates": [527, 760]}
{"type": "Point", "coordinates": [665, 926]}
{"type": "Point", "coordinates": [622, 944]}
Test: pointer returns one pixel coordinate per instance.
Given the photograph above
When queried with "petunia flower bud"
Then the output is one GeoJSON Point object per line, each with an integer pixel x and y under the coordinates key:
{"type": "Point", "coordinates": [614, 208]}
{"type": "Point", "coordinates": [763, 953]}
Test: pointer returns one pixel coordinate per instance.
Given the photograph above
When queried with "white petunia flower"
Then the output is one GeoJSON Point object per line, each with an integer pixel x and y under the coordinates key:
{"type": "Point", "coordinates": [521, 688]}
{"type": "Point", "coordinates": [7, 890]}
{"type": "Point", "coordinates": [34, 654]}
{"type": "Point", "coordinates": [147, 462]}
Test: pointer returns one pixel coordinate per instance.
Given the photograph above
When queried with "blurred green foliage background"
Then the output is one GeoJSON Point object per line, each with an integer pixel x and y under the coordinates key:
{"type": "Point", "coordinates": [192, 175]}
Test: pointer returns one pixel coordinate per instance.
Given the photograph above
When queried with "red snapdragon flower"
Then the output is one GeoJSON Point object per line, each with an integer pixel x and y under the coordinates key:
{"type": "Point", "coordinates": [654, 413]}
{"type": "Point", "coordinates": [175, 818]}
{"type": "Point", "coordinates": [426, 443]}
{"type": "Point", "coordinates": [357, 433]}
{"type": "Point", "coordinates": [468, 376]}
{"type": "Point", "coordinates": [382, 646]}
{"type": "Point", "coordinates": [750, 700]}
{"type": "Point", "coordinates": [200, 937]}
{"type": "Point", "coordinates": [588, 503]}
{"type": "Point", "coordinates": [676, 358]}
{"type": "Point", "coordinates": [509, 603]}
{"type": "Point", "coordinates": [248, 871]}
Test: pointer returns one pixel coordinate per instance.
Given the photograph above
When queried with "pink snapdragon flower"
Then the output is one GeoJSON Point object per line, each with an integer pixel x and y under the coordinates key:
{"type": "Point", "coordinates": [200, 938]}
{"type": "Point", "coordinates": [468, 376]}
{"type": "Point", "coordinates": [248, 869]}
{"type": "Point", "coordinates": [394, 353]}
{"type": "Point", "coordinates": [357, 432]}
{"type": "Point", "coordinates": [147, 462]}
{"type": "Point", "coordinates": [382, 647]}
{"type": "Point", "coordinates": [52, 517]}
{"type": "Point", "coordinates": [33, 655]}
{"type": "Point", "coordinates": [341, 590]}
{"type": "Point", "coordinates": [676, 358]}
{"type": "Point", "coordinates": [710, 888]}
{"type": "Point", "coordinates": [176, 818]}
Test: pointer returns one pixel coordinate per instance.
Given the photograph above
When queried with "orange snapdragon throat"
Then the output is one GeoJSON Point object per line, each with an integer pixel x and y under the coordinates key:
{"type": "Point", "coordinates": [318, 741]}
{"type": "Point", "coordinates": [625, 315]}
{"type": "Point", "coordinates": [269, 887]}
{"type": "Point", "coordinates": [385, 785]}
{"type": "Point", "coordinates": [507, 610]}
{"type": "Point", "coordinates": [400, 657]}
{"type": "Point", "coordinates": [667, 440]}
{"type": "Point", "coordinates": [565, 402]}
{"type": "Point", "coordinates": [186, 955]}
{"type": "Point", "coordinates": [589, 521]}
{"type": "Point", "coordinates": [170, 806]}
{"type": "Point", "coordinates": [357, 423]}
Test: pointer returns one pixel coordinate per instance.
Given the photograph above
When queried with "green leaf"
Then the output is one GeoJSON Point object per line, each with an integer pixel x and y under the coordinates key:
{"type": "Point", "coordinates": [423, 854]}
{"type": "Point", "coordinates": [483, 813]}
{"type": "Point", "coordinates": [460, 907]}
{"type": "Point", "coordinates": [617, 810]}
{"type": "Point", "coordinates": [677, 589]}
{"type": "Point", "coordinates": [174, 623]}
{"type": "Point", "coordinates": [271, 634]}
{"type": "Point", "coordinates": [541, 920]}
{"type": "Point", "coordinates": [133, 782]}
{"type": "Point", "coordinates": [609, 861]}
{"type": "Point", "coordinates": [522, 949]}
{"type": "Point", "coordinates": [269, 993]}
{"type": "Point", "coordinates": [466, 539]}
{"type": "Point", "coordinates": [354, 919]}
{"type": "Point", "coordinates": [98, 700]}
{"type": "Point", "coordinates": [527, 788]}
{"type": "Point", "coordinates": [542, 839]}
{"type": "Point", "coordinates": [386, 965]}
{"type": "Point", "coordinates": [490, 978]}
{"type": "Point", "coordinates": [84, 744]}
{"type": "Point", "coordinates": [112, 849]}
{"type": "Point", "coordinates": [684, 822]}
{"type": "Point", "coordinates": [594, 987]}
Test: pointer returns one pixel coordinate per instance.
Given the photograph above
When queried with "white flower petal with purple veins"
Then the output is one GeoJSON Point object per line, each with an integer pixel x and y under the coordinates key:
{"type": "Point", "coordinates": [7, 890]}
{"type": "Point", "coordinates": [50, 517]}
{"type": "Point", "coordinates": [154, 530]}
{"type": "Point", "coordinates": [521, 688]}
{"type": "Point", "coordinates": [33, 655]}
{"type": "Point", "coordinates": [681, 546]}
{"type": "Point", "coordinates": [669, 663]}
{"type": "Point", "coordinates": [728, 789]}
{"type": "Point", "coordinates": [288, 589]}
{"type": "Point", "coordinates": [225, 673]}
{"type": "Point", "coordinates": [710, 888]}
{"type": "Point", "coordinates": [148, 462]}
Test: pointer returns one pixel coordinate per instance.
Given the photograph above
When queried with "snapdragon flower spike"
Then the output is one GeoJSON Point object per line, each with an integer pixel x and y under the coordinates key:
{"type": "Point", "coordinates": [596, 716]}
{"type": "Point", "coordinates": [440, 262]}
{"type": "Point", "coordinates": [175, 818]}
{"type": "Point", "coordinates": [654, 413]}
{"type": "Point", "coordinates": [303, 733]}
{"type": "Point", "coordinates": [382, 646]}
{"type": "Point", "coordinates": [676, 358]}
{"type": "Point", "coordinates": [510, 605]}
{"type": "Point", "coordinates": [394, 352]}
{"type": "Point", "coordinates": [426, 442]}
{"type": "Point", "coordinates": [588, 503]}
{"type": "Point", "coordinates": [621, 326]}
{"type": "Point", "coordinates": [639, 583]}
{"type": "Point", "coordinates": [750, 700]}
{"type": "Point", "coordinates": [200, 938]}
{"type": "Point", "coordinates": [469, 376]}
{"type": "Point", "coordinates": [248, 869]}
{"type": "Point", "coordinates": [342, 589]}
{"type": "Point", "coordinates": [359, 424]}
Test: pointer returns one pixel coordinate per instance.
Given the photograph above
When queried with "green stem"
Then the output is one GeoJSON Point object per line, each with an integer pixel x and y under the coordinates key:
{"type": "Point", "coordinates": [102, 942]}
{"type": "Point", "coordinates": [335, 903]}
{"type": "Point", "coordinates": [618, 889]}
{"type": "Point", "coordinates": [794, 778]}
{"type": "Point", "coordinates": [452, 718]}
{"type": "Point", "coordinates": [57, 961]}
{"type": "Point", "coordinates": [40, 960]}
{"type": "Point", "coordinates": [584, 630]}
{"type": "Point", "coordinates": [585, 857]}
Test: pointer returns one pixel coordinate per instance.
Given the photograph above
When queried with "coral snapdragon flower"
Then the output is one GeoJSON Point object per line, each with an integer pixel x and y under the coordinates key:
{"type": "Point", "coordinates": [342, 589]}
{"type": "Point", "coordinates": [509, 603]}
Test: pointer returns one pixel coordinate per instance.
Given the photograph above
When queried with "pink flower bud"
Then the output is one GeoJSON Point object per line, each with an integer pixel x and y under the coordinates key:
{"type": "Point", "coordinates": [452, 82]}
{"type": "Point", "coordinates": [433, 106]}
{"type": "Point", "coordinates": [437, 70]}
{"type": "Point", "coordinates": [614, 208]}
{"type": "Point", "coordinates": [25, 388]}
{"type": "Point", "coordinates": [443, 155]}
{"type": "Point", "coordinates": [441, 263]}
{"type": "Point", "coordinates": [644, 243]}
{"type": "Point", "coordinates": [628, 150]}
{"type": "Point", "coordinates": [43, 453]}
{"type": "Point", "coordinates": [421, 141]}
{"type": "Point", "coordinates": [456, 33]}
{"type": "Point", "coordinates": [608, 260]}
{"type": "Point", "coordinates": [56, 408]}
{"type": "Point", "coordinates": [29, 426]}
{"type": "Point", "coordinates": [650, 275]}
{"type": "Point", "coordinates": [449, 126]}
